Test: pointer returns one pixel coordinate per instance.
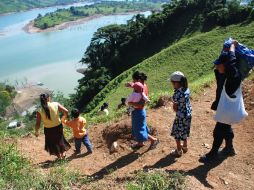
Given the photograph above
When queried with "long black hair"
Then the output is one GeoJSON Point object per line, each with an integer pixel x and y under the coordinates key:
{"type": "Point", "coordinates": [184, 82]}
{"type": "Point", "coordinates": [44, 104]}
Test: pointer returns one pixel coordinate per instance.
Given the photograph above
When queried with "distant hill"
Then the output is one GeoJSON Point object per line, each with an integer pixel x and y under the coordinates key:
{"type": "Point", "coordinates": [7, 6]}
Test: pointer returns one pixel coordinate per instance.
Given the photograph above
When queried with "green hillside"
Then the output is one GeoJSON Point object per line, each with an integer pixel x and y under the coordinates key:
{"type": "Point", "coordinates": [192, 56]}
{"type": "Point", "coordinates": [7, 6]}
{"type": "Point", "coordinates": [116, 48]}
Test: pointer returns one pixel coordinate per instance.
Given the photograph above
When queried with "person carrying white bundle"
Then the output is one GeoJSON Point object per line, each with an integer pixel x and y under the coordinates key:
{"type": "Point", "coordinates": [229, 104]}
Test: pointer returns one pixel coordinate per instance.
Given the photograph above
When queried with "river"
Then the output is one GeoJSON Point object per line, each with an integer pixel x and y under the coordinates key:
{"type": "Point", "coordinates": [49, 57]}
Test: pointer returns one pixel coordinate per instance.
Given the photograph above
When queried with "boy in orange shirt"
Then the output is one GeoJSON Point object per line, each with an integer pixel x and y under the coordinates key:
{"type": "Point", "coordinates": [79, 132]}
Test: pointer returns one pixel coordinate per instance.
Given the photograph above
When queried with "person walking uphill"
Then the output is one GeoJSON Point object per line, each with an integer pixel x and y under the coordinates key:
{"type": "Point", "coordinates": [228, 81]}
{"type": "Point", "coordinates": [182, 107]}
{"type": "Point", "coordinates": [48, 114]}
{"type": "Point", "coordinates": [138, 116]}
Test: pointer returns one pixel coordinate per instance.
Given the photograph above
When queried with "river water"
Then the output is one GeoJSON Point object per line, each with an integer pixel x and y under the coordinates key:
{"type": "Point", "coordinates": [51, 57]}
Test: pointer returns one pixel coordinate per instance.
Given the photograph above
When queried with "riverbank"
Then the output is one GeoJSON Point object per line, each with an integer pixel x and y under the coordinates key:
{"type": "Point", "coordinates": [61, 18]}
{"type": "Point", "coordinates": [30, 28]}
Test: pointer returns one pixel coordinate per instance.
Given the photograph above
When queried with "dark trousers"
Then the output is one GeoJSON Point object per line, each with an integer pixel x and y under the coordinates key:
{"type": "Point", "coordinates": [222, 131]}
{"type": "Point", "coordinates": [85, 141]}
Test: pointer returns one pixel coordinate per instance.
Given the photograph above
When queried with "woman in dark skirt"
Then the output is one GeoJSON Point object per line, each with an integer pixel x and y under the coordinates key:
{"type": "Point", "coordinates": [55, 142]}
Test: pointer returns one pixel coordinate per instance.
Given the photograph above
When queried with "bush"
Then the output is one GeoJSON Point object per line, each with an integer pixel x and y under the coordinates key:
{"type": "Point", "coordinates": [17, 173]}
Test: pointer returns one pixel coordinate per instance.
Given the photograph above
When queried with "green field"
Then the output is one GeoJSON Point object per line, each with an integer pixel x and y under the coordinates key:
{"type": "Point", "coordinates": [105, 8]}
{"type": "Point", "coordinates": [193, 56]}
{"type": "Point", "coordinates": [7, 6]}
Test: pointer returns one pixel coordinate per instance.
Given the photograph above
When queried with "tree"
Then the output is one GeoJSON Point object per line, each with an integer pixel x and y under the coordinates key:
{"type": "Point", "coordinates": [45, 25]}
{"type": "Point", "coordinates": [39, 16]}
{"type": "Point", "coordinates": [5, 101]}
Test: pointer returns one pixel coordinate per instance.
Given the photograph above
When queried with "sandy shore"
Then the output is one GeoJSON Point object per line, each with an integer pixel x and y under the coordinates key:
{"type": "Point", "coordinates": [30, 28]}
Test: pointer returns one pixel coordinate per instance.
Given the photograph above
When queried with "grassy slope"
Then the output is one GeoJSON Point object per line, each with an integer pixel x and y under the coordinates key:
{"type": "Point", "coordinates": [7, 6]}
{"type": "Point", "coordinates": [193, 56]}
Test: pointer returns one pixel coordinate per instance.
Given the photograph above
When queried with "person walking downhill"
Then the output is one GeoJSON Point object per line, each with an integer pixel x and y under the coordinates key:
{"type": "Point", "coordinates": [79, 132]}
{"type": "Point", "coordinates": [228, 82]}
{"type": "Point", "coordinates": [48, 114]}
{"type": "Point", "coordinates": [139, 125]}
{"type": "Point", "coordinates": [182, 107]}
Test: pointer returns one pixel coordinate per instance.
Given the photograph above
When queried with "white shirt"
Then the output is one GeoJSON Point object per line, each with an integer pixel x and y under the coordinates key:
{"type": "Point", "coordinates": [136, 97]}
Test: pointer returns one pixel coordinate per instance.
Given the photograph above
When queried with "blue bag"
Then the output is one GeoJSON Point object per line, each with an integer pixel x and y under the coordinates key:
{"type": "Point", "coordinates": [245, 58]}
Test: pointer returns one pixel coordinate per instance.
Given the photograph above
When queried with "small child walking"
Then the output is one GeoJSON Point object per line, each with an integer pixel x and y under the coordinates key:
{"type": "Point", "coordinates": [182, 107]}
{"type": "Point", "coordinates": [79, 132]}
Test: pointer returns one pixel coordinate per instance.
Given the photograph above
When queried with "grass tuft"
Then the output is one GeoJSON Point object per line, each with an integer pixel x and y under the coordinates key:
{"type": "Point", "coordinates": [157, 180]}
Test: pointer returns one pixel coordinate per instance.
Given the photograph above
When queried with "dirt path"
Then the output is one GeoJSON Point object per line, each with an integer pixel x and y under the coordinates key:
{"type": "Point", "coordinates": [231, 173]}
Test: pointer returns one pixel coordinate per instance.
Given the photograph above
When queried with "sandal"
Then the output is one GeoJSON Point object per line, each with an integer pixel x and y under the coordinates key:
{"type": "Point", "coordinates": [154, 144]}
{"type": "Point", "coordinates": [136, 146]}
{"type": "Point", "coordinates": [185, 149]}
{"type": "Point", "coordinates": [176, 153]}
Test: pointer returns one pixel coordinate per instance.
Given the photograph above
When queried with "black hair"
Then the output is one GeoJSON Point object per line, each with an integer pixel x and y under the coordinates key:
{"type": "Point", "coordinates": [123, 100]}
{"type": "Point", "coordinates": [136, 75]}
{"type": "Point", "coordinates": [184, 82]}
{"type": "Point", "coordinates": [44, 104]}
{"type": "Point", "coordinates": [75, 113]}
{"type": "Point", "coordinates": [139, 76]}
{"type": "Point", "coordinates": [143, 77]}
{"type": "Point", "coordinates": [104, 106]}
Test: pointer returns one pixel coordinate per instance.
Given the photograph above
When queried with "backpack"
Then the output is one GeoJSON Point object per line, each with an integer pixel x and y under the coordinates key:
{"type": "Point", "coordinates": [245, 57]}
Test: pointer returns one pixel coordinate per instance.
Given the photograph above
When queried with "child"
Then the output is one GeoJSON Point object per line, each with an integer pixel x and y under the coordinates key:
{"type": "Point", "coordinates": [182, 107]}
{"type": "Point", "coordinates": [137, 95]}
{"type": "Point", "coordinates": [103, 109]}
{"type": "Point", "coordinates": [122, 104]}
{"type": "Point", "coordinates": [78, 128]}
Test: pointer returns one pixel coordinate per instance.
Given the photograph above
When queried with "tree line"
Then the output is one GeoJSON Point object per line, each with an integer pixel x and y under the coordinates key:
{"type": "Point", "coordinates": [116, 48]}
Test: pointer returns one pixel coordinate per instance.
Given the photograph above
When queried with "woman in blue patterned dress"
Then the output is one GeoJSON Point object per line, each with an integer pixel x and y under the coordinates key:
{"type": "Point", "coordinates": [182, 107]}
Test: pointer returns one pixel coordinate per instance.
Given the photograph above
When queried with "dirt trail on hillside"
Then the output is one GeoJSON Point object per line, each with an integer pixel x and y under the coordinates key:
{"type": "Point", "coordinates": [112, 169]}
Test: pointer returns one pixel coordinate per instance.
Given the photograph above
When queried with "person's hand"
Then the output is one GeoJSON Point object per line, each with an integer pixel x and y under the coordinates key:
{"type": "Point", "coordinates": [128, 84]}
{"type": "Point", "coordinates": [174, 106]}
{"type": "Point", "coordinates": [37, 133]}
{"type": "Point", "coordinates": [235, 43]}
